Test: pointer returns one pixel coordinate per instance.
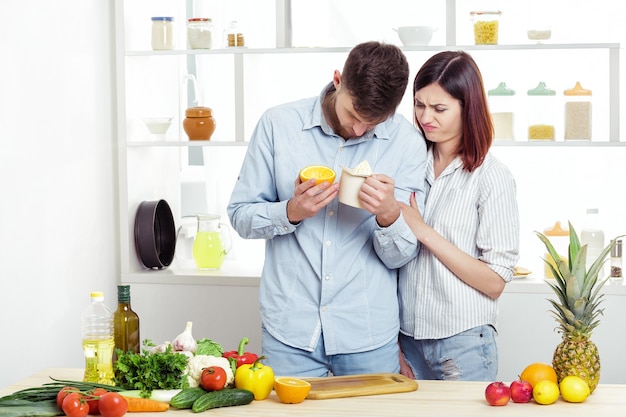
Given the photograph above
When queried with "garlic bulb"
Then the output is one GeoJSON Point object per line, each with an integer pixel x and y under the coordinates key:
{"type": "Point", "coordinates": [160, 348]}
{"type": "Point", "coordinates": [185, 340]}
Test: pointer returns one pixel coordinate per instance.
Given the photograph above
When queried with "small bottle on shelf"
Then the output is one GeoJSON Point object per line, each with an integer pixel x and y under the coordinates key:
{"type": "Point", "coordinates": [616, 276]}
{"type": "Point", "coordinates": [98, 343]}
{"type": "Point", "coordinates": [126, 323]}
{"type": "Point", "coordinates": [593, 236]}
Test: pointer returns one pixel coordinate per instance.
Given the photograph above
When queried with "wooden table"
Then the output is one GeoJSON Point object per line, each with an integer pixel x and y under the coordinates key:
{"type": "Point", "coordinates": [433, 398]}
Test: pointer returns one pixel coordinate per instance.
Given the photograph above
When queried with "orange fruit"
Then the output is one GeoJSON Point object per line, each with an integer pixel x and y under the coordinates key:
{"type": "Point", "coordinates": [291, 390]}
{"type": "Point", "coordinates": [537, 372]}
{"type": "Point", "coordinates": [321, 173]}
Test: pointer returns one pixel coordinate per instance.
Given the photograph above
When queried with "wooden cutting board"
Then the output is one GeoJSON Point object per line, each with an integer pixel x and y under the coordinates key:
{"type": "Point", "coordinates": [358, 385]}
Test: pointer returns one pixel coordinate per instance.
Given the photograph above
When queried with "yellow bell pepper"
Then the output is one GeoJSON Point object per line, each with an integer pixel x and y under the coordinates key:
{"type": "Point", "coordinates": [256, 378]}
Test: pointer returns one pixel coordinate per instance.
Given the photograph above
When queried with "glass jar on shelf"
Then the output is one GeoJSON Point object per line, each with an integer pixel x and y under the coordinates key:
{"type": "Point", "coordinates": [486, 26]}
{"type": "Point", "coordinates": [234, 35]}
{"type": "Point", "coordinates": [162, 33]}
{"type": "Point", "coordinates": [200, 33]}
{"type": "Point", "coordinates": [577, 113]}
{"type": "Point", "coordinates": [501, 107]}
{"type": "Point", "coordinates": [541, 107]}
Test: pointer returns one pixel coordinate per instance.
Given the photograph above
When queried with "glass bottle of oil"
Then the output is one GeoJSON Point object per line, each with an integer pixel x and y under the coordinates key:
{"type": "Point", "coordinates": [97, 335]}
{"type": "Point", "coordinates": [125, 323]}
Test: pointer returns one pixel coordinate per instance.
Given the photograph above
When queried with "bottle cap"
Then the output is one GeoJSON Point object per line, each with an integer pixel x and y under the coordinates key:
{"type": "Point", "coordinates": [616, 252]}
{"type": "Point", "coordinates": [556, 230]}
{"type": "Point", "coordinates": [501, 90]}
{"type": "Point", "coordinates": [123, 293]}
{"type": "Point", "coordinates": [578, 90]}
{"type": "Point", "coordinates": [97, 296]}
{"type": "Point", "coordinates": [541, 90]}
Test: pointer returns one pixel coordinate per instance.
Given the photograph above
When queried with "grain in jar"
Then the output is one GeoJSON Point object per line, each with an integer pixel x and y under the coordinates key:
{"type": "Point", "coordinates": [541, 107]}
{"type": "Point", "coordinates": [501, 108]}
{"type": "Point", "coordinates": [577, 113]}
{"type": "Point", "coordinates": [199, 33]}
{"type": "Point", "coordinates": [486, 26]}
{"type": "Point", "coordinates": [162, 33]}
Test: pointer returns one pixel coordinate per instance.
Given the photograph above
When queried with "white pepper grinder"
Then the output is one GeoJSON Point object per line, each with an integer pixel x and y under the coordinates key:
{"type": "Point", "coordinates": [616, 276]}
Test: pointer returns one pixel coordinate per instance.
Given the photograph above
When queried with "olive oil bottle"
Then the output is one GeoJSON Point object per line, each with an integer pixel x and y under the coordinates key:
{"type": "Point", "coordinates": [126, 323]}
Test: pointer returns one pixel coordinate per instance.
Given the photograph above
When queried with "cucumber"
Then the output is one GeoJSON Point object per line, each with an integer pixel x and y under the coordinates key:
{"type": "Point", "coordinates": [224, 398]}
{"type": "Point", "coordinates": [186, 397]}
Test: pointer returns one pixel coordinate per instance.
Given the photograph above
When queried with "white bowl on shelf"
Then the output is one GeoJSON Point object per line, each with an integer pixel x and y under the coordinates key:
{"type": "Point", "coordinates": [415, 35]}
{"type": "Point", "coordinates": [158, 125]}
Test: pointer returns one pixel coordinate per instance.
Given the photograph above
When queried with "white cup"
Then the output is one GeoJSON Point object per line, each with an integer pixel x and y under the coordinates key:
{"type": "Point", "coordinates": [349, 187]}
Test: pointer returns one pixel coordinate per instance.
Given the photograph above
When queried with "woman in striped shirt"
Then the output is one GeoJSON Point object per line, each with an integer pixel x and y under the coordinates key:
{"type": "Point", "coordinates": [469, 231]}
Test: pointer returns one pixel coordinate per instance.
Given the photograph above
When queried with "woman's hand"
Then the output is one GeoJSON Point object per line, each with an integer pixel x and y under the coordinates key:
{"type": "Point", "coordinates": [412, 216]}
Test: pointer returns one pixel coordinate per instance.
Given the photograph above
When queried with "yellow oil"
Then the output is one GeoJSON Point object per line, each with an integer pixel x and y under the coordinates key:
{"type": "Point", "coordinates": [99, 360]}
{"type": "Point", "coordinates": [208, 251]}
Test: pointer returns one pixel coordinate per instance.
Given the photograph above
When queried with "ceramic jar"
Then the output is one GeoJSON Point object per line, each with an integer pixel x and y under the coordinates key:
{"type": "Point", "coordinates": [199, 123]}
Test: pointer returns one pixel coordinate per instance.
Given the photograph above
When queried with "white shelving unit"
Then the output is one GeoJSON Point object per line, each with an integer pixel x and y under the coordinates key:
{"type": "Point", "coordinates": [150, 170]}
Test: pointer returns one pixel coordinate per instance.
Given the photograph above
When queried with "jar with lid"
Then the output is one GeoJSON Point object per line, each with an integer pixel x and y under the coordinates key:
{"type": "Point", "coordinates": [200, 33]}
{"type": "Point", "coordinates": [541, 107]}
{"type": "Point", "coordinates": [577, 113]}
{"type": "Point", "coordinates": [234, 36]}
{"type": "Point", "coordinates": [199, 123]}
{"type": "Point", "coordinates": [501, 107]}
{"type": "Point", "coordinates": [486, 26]}
{"type": "Point", "coordinates": [162, 33]}
{"type": "Point", "coordinates": [559, 238]}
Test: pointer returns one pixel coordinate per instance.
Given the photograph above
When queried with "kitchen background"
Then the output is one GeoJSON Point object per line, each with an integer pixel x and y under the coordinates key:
{"type": "Point", "coordinates": [58, 158]}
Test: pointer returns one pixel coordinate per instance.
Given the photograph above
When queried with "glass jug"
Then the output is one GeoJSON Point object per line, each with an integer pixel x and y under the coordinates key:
{"type": "Point", "coordinates": [211, 243]}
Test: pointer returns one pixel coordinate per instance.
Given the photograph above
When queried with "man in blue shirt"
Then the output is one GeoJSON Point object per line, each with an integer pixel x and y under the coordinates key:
{"type": "Point", "coordinates": [328, 295]}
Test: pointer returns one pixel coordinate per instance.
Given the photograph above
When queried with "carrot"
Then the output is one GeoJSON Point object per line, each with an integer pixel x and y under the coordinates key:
{"type": "Point", "coordinates": [145, 404]}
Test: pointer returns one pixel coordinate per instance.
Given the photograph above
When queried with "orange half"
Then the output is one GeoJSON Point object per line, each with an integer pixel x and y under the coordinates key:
{"type": "Point", "coordinates": [291, 390]}
{"type": "Point", "coordinates": [320, 173]}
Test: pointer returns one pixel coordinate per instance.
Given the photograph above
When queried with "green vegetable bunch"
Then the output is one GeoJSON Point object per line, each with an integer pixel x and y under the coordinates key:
{"type": "Point", "coordinates": [149, 371]}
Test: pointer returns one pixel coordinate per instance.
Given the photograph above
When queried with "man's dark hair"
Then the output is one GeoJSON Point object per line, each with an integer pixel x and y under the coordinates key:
{"type": "Point", "coordinates": [376, 76]}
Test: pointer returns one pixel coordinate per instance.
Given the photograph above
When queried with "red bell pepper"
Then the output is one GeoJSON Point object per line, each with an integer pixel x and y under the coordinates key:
{"type": "Point", "coordinates": [240, 356]}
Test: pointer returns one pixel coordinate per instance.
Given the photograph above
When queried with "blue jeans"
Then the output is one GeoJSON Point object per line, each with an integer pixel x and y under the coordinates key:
{"type": "Point", "coordinates": [287, 360]}
{"type": "Point", "coordinates": [471, 355]}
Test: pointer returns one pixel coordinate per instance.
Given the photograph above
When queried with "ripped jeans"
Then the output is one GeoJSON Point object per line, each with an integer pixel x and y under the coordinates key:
{"type": "Point", "coordinates": [471, 355]}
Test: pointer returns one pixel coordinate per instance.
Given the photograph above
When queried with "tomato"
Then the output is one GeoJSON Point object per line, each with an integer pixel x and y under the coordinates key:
{"type": "Point", "coordinates": [74, 405]}
{"type": "Point", "coordinates": [93, 399]}
{"type": "Point", "coordinates": [63, 393]}
{"type": "Point", "coordinates": [112, 404]}
{"type": "Point", "coordinates": [213, 378]}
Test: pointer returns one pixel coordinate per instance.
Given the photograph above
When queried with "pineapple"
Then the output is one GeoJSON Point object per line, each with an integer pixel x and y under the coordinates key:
{"type": "Point", "coordinates": [576, 309]}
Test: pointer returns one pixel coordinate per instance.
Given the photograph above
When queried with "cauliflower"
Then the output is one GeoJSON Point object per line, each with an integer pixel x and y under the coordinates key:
{"type": "Point", "coordinates": [196, 364]}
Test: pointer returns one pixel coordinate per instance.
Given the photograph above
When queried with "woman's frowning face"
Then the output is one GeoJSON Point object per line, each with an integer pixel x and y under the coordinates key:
{"type": "Point", "coordinates": [438, 114]}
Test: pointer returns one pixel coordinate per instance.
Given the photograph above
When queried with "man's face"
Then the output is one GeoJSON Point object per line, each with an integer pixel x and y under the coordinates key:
{"type": "Point", "coordinates": [350, 123]}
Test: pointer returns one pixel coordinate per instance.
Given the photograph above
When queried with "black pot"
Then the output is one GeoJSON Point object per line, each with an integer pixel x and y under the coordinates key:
{"type": "Point", "coordinates": [155, 234]}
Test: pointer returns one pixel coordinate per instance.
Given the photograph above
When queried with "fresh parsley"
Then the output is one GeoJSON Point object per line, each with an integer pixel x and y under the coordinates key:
{"type": "Point", "coordinates": [149, 371]}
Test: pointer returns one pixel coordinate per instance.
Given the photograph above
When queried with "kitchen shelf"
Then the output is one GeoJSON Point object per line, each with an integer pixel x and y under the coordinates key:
{"type": "Point", "coordinates": [150, 169]}
{"type": "Point", "coordinates": [430, 48]}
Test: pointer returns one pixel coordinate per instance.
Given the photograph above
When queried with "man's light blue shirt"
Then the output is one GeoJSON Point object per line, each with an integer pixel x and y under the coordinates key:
{"type": "Point", "coordinates": [334, 274]}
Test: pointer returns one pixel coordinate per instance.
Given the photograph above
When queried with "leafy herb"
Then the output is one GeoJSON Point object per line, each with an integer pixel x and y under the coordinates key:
{"type": "Point", "coordinates": [149, 371]}
{"type": "Point", "coordinates": [209, 347]}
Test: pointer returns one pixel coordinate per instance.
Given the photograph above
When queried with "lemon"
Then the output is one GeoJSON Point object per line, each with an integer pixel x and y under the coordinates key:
{"type": "Point", "coordinates": [546, 392]}
{"type": "Point", "coordinates": [319, 172]}
{"type": "Point", "coordinates": [574, 389]}
{"type": "Point", "coordinates": [291, 390]}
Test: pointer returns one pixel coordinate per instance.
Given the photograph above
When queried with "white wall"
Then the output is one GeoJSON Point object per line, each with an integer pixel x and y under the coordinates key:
{"type": "Point", "coordinates": [58, 212]}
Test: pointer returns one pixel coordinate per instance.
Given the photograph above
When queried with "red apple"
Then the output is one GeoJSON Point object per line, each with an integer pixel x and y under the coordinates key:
{"type": "Point", "coordinates": [497, 393]}
{"type": "Point", "coordinates": [521, 391]}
